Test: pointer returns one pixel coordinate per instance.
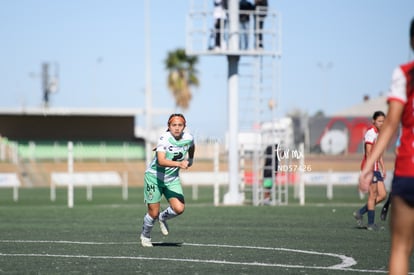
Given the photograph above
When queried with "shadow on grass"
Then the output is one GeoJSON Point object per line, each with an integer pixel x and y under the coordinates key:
{"type": "Point", "coordinates": [360, 227]}
{"type": "Point", "coordinates": [168, 244]}
{"type": "Point", "coordinates": [379, 228]}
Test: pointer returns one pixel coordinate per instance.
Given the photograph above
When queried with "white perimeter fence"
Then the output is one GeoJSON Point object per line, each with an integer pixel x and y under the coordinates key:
{"type": "Point", "coordinates": [331, 179]}
{"type": "Point", "coordinates": [88, 180]}
{"type": "Point", "coordinates": [10, 180]}
{"type": "Point", "coordinates": [214, 178]}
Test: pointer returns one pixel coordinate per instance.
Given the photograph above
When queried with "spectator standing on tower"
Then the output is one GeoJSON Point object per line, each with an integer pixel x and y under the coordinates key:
{"type": "Point", "coordinates": [220, 18]}
{"type": "Point", "coordinates": [245, 10]}
{"type": "Point", "coordinates": [261, 7]}
{"type": "Point", "coordinates": [270, 168]}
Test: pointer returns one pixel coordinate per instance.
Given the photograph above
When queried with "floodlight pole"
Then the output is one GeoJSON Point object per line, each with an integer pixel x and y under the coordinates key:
{"type": "Point", "coordinates": [148, 88]}
{"type": "Point", "coordinates": [45, 84]}
{"type": "Point", "coordinates": [325, 68]}
{"type": "Point", "coordinates": [233, 196]}
{"type": "Point", "coordinates": [49, 84]}
{"type": "Point", "coordinates": [70, 172]}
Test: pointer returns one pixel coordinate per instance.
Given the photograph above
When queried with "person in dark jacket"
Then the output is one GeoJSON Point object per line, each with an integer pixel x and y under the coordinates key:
{"type": "Point", "coordinates": [270, 167]}
{"type": "Point", "coordinates": [261, 7]}
{"type": "Point", "coordinates": [245, 10]}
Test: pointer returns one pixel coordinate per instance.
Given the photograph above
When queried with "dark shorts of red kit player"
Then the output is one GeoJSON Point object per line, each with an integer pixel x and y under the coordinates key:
{"type": "Point", "coordinates": [377, 177]}
{"type": "Point", "coordinates": [403, 187]}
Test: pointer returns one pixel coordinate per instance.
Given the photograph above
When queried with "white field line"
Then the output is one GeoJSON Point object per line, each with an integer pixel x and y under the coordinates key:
{"type": "Point", "coordinates": [346, 262]}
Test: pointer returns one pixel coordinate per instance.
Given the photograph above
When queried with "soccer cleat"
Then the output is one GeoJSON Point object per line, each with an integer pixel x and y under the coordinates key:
{"type": "Point", "coordinates": [146, 242]}
{"type": "Point", "coordinates": [384, 213]}
{"type": "Point", "coordinates": [266, 201]}
{"type": "Point", "coordinates": [373, 227]}
{"type": "Point", "coordinates": [358, 218]}
{"type": "Point", "coordinates": [163, 227]}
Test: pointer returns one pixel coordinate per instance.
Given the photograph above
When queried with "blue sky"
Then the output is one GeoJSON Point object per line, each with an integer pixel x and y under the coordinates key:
{"type": "Point", "coordinates": [100, 48]}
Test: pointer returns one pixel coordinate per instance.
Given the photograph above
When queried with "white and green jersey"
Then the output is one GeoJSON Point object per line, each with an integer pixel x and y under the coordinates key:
{"type": "Point", "coordinates": [175, 150]}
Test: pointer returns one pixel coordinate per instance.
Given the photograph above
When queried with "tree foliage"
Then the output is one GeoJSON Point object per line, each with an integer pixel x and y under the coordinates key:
{"type": "Point", "coordinates": [182, 74]}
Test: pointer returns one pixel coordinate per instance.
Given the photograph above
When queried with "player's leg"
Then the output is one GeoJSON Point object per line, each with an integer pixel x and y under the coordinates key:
{"type": "Point", "coordinates": [175, 208]}
{"type": "Point", "coordinates": [175, 197]}
{"type": "Point", "coordinates": [267, 190]}
{"type": "Point", "coordinates": [402, 238]}
{"type": "Point", "coordinates": [358, 215]}
{"type": "Point", "coordinates": [381, 192]}
{"type": "Point", "coordinates": [148, 224]}
{"type": "Point", "coordinates": [152, 196]}
{"type": "Point", "coordinates": [372, 195]}
{"type": "Point", "coordinates": [385, 207]}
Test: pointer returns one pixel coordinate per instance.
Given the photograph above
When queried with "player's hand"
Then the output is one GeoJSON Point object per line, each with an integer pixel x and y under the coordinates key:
{"type": "Point", "coordinates": [183, 164]}
{"type": "Point", "coordinates": [365, 179]}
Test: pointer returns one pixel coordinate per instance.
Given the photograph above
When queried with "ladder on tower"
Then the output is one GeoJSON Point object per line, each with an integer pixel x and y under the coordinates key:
{"type": "Point", "coordinates": [258, 97]}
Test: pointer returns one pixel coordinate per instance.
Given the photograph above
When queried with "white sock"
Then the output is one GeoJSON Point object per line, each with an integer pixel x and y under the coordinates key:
{"type": "Point", "coordinates": [147, 226]}
{"type": "Point", "coordinates": [167, 214]}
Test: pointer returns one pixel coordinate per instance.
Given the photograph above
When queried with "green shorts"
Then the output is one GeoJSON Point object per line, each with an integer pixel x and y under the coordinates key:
{"type": "Point", "coordinates": [267, 182]}
{"type": "Point", "coordinates": [155, 188]}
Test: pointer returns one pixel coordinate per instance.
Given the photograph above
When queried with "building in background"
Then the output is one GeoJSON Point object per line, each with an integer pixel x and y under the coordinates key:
{"type": "Point", "coordinates": [343, 132]}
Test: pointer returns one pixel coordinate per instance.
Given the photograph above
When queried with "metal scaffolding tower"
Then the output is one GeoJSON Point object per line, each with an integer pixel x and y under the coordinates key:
{"type": "Point", "coordinates": [254, 88]}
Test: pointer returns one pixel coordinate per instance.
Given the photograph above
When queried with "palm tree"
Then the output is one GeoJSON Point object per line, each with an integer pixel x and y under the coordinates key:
{"type": "Point", "coordinates": [181, 75]}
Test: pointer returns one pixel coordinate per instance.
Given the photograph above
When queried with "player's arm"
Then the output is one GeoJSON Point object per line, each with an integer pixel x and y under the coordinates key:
{"type": "Point", "coordinates": [368, 149]}
{"type": "Point", "coordinates": [382, 165]}
{"type": "Point", "coordinates": [191, 152]}
{"type": "Point", "coordinates": [163, 161]}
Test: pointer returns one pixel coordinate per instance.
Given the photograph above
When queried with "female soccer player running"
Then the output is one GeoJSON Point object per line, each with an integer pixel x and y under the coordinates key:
{"type": "Point", "coordinates": [400, 109]}
{"type": "Point", "coordinates": [162, 178]}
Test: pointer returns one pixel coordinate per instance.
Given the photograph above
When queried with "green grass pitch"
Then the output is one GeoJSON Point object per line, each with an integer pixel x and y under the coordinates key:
{"type": "Point", "coordinates": [38, 236]}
